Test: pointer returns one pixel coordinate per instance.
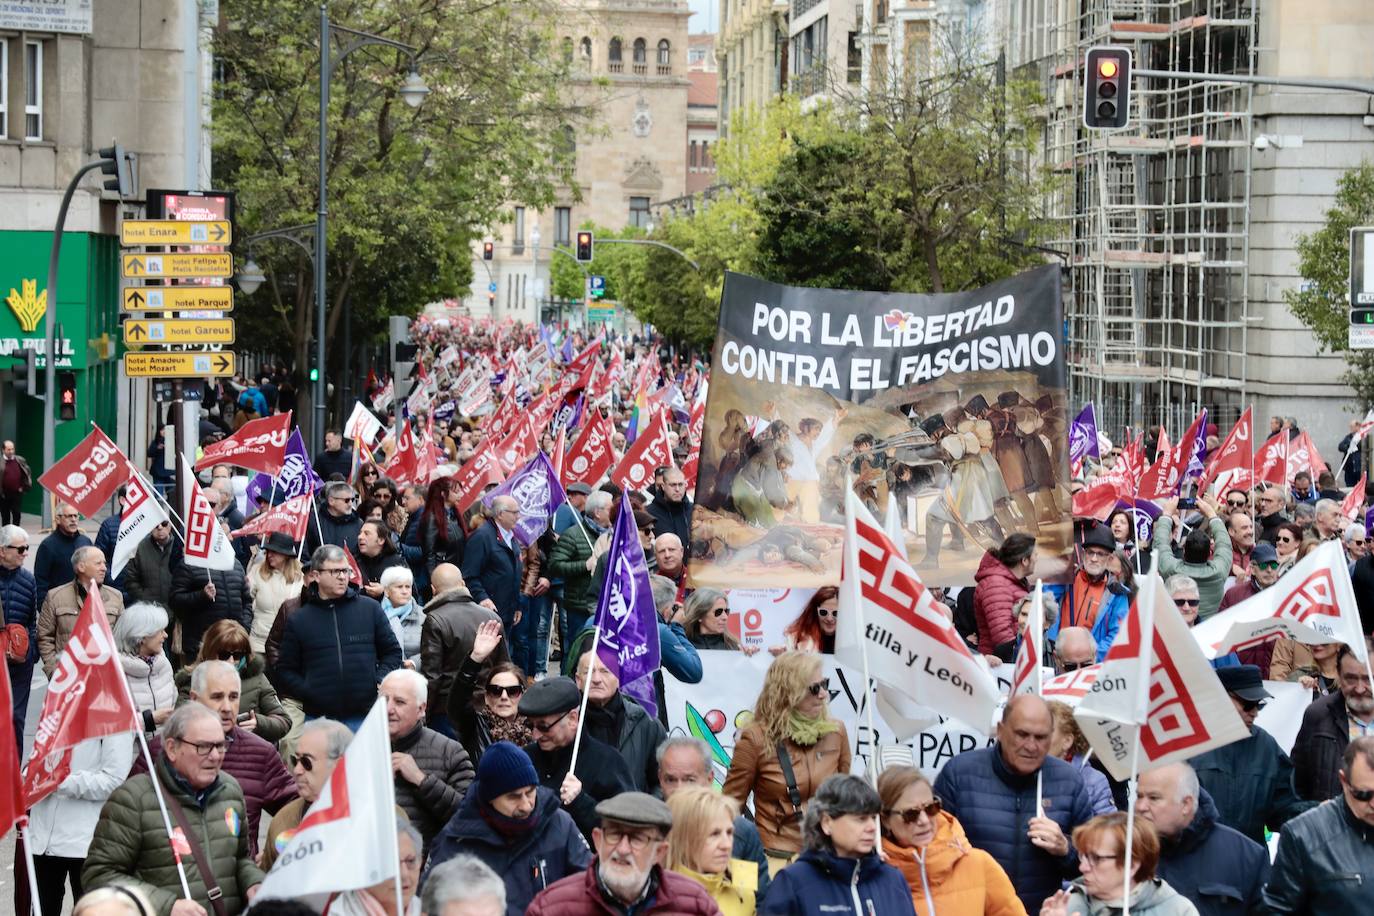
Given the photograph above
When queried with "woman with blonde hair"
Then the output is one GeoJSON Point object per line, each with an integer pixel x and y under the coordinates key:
{"type": "Point", "coordinates": [928, 846]}
{"type": "Point", "coordinates": [227, 641]}
{"type": "Point", "coordinates": [274, 578]}
{"type": "Point", "coordinates": [789, 748]}
{"type": "Point", "coordinates": [699, 846]}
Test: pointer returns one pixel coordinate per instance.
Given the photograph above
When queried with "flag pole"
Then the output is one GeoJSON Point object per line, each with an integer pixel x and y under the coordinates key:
{"type": "Point", "coordinates": [1038, 617]}
{"type": "Point", "coordinates": [586, 693]}
{"type": "Point", "coordinates": [1130, 821]}
{"type": "Point", "coordinates": [1250, 492]}
{"type": "Point", "coordinates": [28, 859]}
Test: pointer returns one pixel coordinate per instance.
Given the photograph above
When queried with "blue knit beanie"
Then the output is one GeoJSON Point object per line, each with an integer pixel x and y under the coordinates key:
{"type": "Point", "coordinates": [504, 768]}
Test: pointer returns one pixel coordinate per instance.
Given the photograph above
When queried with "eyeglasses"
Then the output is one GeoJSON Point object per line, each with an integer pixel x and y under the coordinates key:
{"type": "Point", "coordinates": [821, 686]}
{"type": "Point", "coordinates": [1267, 564]}
{"type": "Point", "coordinates": [231, 655]}
{"type": "Point", "coordinates": [1074, 666]}
{"type": "Point", "coordinates": [546, 727]}
{"type": "Point", "coordinates": [1094, 859]}
{"type": "Point", "coordinates": [305, 760]}
{"type": "Point", "coordinates": [22, 548]}
{"type": "Point", "coordinates": [1252, 705]}
{"type": "Point", "coordinates": [720, 612]}
{"type": "Point", "coordinates": [506, 690]}
{"type": "Point", "coordinates": [204, 748]}
{"type": "Point", "coordinates": [1357, 543]}
{"type": "Point", "coordinates": [1236, 503]}
{"type": "Point", "coordinates": [911, 815]}
{"type": "Point", "coordinates": [340, 573]}
{"type": "Point", "coordinates": [638, 840]}
{"type": "Point", "coordinates": [1187, 602]}
{"type": "Point", "coordinates": [824, 612]}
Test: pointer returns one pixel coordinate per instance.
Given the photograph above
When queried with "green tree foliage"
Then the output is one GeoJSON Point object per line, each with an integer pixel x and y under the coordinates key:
{"type": "Point", "coordinates": [407, 188]}
{"type": "Point", "coordinates": [1323, 303]}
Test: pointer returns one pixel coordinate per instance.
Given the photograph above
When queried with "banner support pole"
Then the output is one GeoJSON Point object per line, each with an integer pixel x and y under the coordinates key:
{"type": "Point", "coordinates": [28, 861]}
{"type": "Point", "coordinates": [1130, 825]}
{"type": "Point", "coordinates": [586, 693]}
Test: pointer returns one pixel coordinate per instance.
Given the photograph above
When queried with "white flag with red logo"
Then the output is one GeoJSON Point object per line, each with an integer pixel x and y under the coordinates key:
{"type": "Point", "coordinates": [1229, 466]}
{"type": "Point", "coordinates": [205, 543]}
{"type": "Point", "coordinates": [1313, 602]}
{"type": "Point", "coordinates": [590, 456]}
{"type": "Point", "coordinates": [86, 698]}
{"type": "Point", "coordinates": [1361, 431]}
{"type": "Point", "coordinates": [1155, 686]}
{"type": "Point", "coordinates": [1271, 462]}
{"type": "Point", "coordinates": [290, 518]}
{"type": "Point", "coordinates": [258, 444]}
{"type": "Point", "coordinates": [142, 513]}
{"type": "Point", "coordinates": [1071, 686]}
{"type": "Point", "coordinates": [1026, 674]}
{"type": "Point", "coordinates": [912, 646]}
{"type": "Point", "coordinates": [1354, 500]}
{"type": "Point", "coordinates": [363, 425]}
{"type": "Point", "coordinates": [650, 451]}
{"type": "Point", "coordinates": [383, 398]}
{"type": "Point", "coordinates": [88, 475]}
{"type": "Point", "coordinates": [347, 839]}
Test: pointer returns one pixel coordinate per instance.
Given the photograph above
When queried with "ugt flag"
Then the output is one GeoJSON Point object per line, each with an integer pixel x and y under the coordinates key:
{"type": "Point", "coordinates": [626, 615]}
{"type": "Point", "coordinates": [537, 490]}
{"type": "Point", "coordinates": [1156, 689]}
{"type": "Point", "coordinates": [347, 839]}
{"type": "Point", "coordinates": [87, 698]}
{"type": "Point", "coordinates": [887, 614]}
{"type": "Point", "coordinates": [291, 518]}
{"type": "Point", "coordinates": [258, 444]}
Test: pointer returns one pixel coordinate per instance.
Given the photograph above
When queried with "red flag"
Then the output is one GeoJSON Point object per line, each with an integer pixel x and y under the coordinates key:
{"type": "Point", "coordinates": [355, 575]}
{"type": "Point", "coordinates": [1161, 481]}
{"type": "Point", "coordinates": [651, 450]}
{"type": "Point", "coordinates": [11, 799]}
{"type": "Point", "coordinates": [88, 475]}
{"type": "Point", "coordinates": [1302, 456]}
{"type": "Point", "coordinates": [1096, 501]}
{"type": "Point", "coordinates": [480, 470]}
{"type": "Point", "coordinates": [1027, 676]}
{"type": "Point", "coordinates": [590, 455]}
{"type": "Point", "coordinates": [290, 518]}
{"type": "Point", "coordinates": [404, 462]}
{"type": "Point", "coordinates": [517, 447]}
{"type": "Point", "coordinates": [1231, 463]}
{"type": "Point", "coordinates": [87, 698]}
{"type": "Point", "coordinates": [1271, 464]}
{"type": "Point", "coordinates": [258, 444]}
{"type": "Point", "coordinates": [1354, 500]}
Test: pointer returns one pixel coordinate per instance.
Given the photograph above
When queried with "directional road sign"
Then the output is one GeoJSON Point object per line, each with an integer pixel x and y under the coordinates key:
{"type": "Point", "coordinates": [179, 331]}
{"type": "Point", "coordinates": [198, 264]}
{"type": "Point", "coordinates": [176, 232]}
{"type": "Point", "coordinates": [178, 365]}
{"type": "Point", "coordinates": [178, 298]}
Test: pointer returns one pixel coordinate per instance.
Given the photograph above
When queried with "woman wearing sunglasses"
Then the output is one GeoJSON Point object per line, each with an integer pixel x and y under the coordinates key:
{"type": "Point", "coordinates": [706, 620]}
{"type": "Point", "coordinates": [947, 875]}
{"type": "Point", "coordinates": [1101, 845]}
{"type": "Point", "coordinates": [814, 628]}
{"type": "Point", "coordinates": [227, 641]}
{"type": "Point", "coordinates": [493, 713]}
{"type": "Point", "coordinates": [786, 752]}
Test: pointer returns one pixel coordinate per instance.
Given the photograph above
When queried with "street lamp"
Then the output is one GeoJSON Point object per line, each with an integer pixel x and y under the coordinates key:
{"type": "Point", "coordinates": [249, 278]}
{"type": "Point", "coordinates": [412, 92]}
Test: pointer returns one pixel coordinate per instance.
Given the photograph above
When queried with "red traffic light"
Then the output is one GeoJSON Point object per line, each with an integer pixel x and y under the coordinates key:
{"type": "Point", "coordinates": [488, 251]}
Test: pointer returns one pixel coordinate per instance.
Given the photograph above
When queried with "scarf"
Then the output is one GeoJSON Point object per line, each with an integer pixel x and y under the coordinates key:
{"type": "Point", "coordinates": [807, 731]}
{"type": "Point", "coordinates": [396, 613]}
{"type": "Point", "coordinates": [515, 729]}
{"type": "Point", "coordinates": [510, 828]}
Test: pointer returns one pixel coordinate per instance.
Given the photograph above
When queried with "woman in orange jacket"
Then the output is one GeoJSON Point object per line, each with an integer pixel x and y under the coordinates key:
{"type": "Point", "coordinates": [948, 877]}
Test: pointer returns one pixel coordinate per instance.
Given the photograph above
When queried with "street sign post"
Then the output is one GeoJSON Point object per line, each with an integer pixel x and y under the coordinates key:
{"type": "Point", "coordinates": [178, 298]}
{"type": "Point", "coordinates": [176, 232]}
{"type": "Point", "coordinates": [178, 365]}
{"type": "Point", "coordinates": [190, 264]}
{"type": "Point", "coordinates": [179, 331]}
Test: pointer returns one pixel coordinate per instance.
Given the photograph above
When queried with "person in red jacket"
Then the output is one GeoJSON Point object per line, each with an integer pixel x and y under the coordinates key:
{"type": "Point", "coordinates": [1001, 579]}
{"type": "Point", "coordinates": [627, 874]}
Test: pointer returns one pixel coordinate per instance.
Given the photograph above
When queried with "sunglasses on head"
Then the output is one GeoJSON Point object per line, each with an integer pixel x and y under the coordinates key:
{"type": "Point", "coordinates": [821, 686]}
{"type": "Point", "coordinates": [513, 690]}
{"type": "Point", "coordinates": [911, 815]}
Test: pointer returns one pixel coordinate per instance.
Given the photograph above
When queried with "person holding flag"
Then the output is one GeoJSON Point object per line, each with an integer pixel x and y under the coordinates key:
{"type": "Point", "coordinates": [1352, 462]}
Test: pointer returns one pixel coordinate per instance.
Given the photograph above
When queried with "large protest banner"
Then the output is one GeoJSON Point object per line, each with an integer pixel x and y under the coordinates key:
{"type": "Point", "coordinates": [955, 403]}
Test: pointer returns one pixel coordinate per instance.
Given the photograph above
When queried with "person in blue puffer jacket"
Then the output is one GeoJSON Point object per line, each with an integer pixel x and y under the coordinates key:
{"type": "Point", "coordinates": [515, 825]}
{"type": "Point", "coordinates": [19, 598]}
{"type": "Point", "coordinates": [839, 870]}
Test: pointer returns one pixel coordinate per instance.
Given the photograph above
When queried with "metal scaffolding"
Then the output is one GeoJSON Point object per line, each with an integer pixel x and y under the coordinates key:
{"type": "Point", "coordinates": [1153, 219]}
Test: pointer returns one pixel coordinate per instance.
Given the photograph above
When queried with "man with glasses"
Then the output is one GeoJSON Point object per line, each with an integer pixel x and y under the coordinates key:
{"type": "Point", "coordinates": [1264, 572]}
{"type": "Point", "coordinates": [130, 847]}
{"type": "Point", "coordinates": [1074, 649]}
{"type": "Point", "coordinates": [321, 744]}
{"type": "Point", "coordinates": [1328, 520]}
{"type": "Point", "coordinates": [19, 597]}
{"type": "Point", "coordinates": [551, 707]}
{"type": "Point", "coordinates": [253, 761]}
{"type": "Point", "coordinates": [59, 610]}
{"type": "Point", "coordinates": [492, 564]}
{"type": "Point", "coordinates": [338, 524]}
{"type": "Point", "coordinates": [1325, 860]}
{"type": "Point", "coordinates": [1092, 599]}
{"type": "Point", "coordinates": [1250, 781]}
{"type": "Point", "coordinates": [337, 647]}
{"type": "Point", "coordinates": [1328, 725]}
{"type": "Point", "coordinates": [52, 564]}
{"type": "Point", "coordinates": [627, 875]}
{"type": "Point", "coordinates": [672, 509]}
{"type": "Point", "coordinates": [1356, 543]}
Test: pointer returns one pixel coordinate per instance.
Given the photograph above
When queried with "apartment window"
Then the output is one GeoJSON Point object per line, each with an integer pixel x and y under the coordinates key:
{"type": "Point", "coordinates": [639, 212]}
{"type": "Point", "coordinates": [613, 51]}
{"type": "Point", "coordinates": [696, 56]}
{"type": "Point", "coordinates": [692, 154]}
{"type": "Point", "coordinates": [562, 226]}
{"type": "Point", "coordinates": [854, 70]}
{"type": "Point", "coordinates": [518, 245]}
{"type": "Point", "coordinates": [33, 90]}
{"type": "Point", "coordinates": [665, 53]}
{"type": "Point", "coordinates": [641, 51]}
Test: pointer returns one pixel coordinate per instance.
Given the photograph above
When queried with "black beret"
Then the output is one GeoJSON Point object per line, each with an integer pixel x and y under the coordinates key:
{"type": "Point", "coordinates": [550, 696]}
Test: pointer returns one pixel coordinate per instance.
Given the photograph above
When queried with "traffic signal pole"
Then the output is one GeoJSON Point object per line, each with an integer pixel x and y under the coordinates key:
{"type": "Point", "coordinates": [1300, 82]}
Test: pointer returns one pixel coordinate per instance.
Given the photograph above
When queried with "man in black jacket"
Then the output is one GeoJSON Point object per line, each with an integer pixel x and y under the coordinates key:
{"type": "Point", "coordinates": [1326, 727]}
{"type": "Point", "coordinates": [620, 722]}
{"type": "Point", "coordinates": [492, 567]}
{"type": "Point", "coordinates": [202, 597]}
{"type": "Point", "coordinates": [1325, 861]}
{"type": "Point", "coordinates": [432, 773]}
{"type": "Point", "coordinates": [337, 647]}
{"type": "Point", "coordinates": [335, 459]}
{"type": "Point", "coordinates": [446, 640]}
{"type": "Point", "coordinates": [551, 708]}
{"type": "Point", "coordinates": [148, 575]}
{"type": "Point", "coordinates": [672, 511]}
{"type": "Point", "coordinates": [338, 524]}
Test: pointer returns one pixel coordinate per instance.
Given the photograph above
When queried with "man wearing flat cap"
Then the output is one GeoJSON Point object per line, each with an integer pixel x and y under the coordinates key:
{"type": "Point", "coordinates": [627, 875]}
{"type": "Point", "coordinates": [567, 515]}
{"type": "Point", "coordinates": [551, 707]}
{"type": "Point", "coordinates": [1250, 781]}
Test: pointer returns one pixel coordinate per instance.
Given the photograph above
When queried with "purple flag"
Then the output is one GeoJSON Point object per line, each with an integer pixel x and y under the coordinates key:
{"type": "Point", "coordinates": [1199, 449]}
{"type": "Point", "coordinates": [567, 349]}
{"type": "Point", "coordinates": [569, 413]}
{"type": "Point", "coordinates": [1143, 518]}
{"type": "Point", "coordinates": [536, 488]}
{"type": "Point", "coordinates": [1083, 436]}
{"type": "Point", "coordinates": [296, 477]}
{"type": "Point", "coordinates": [626, 616]}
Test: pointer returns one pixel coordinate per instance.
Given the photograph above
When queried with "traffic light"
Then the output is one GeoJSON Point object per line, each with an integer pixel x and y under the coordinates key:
{"type": "Point", "coordinates": [66, 383]}
{"type": "Point", "coordinates": [115, 161]}
{"type": "Point", "coordinates": [491, 301]}
{"type": "Point", "coordinates": [584, 247]}
{"type": "Point", "coordinates": [1107, 87]}
{"type": "Point", "coordinates": [1362, 317]}
{"type": "Point", "coordinates": [488, 251]}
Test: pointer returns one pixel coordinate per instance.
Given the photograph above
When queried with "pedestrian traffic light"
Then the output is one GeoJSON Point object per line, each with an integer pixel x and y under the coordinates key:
{"type": "Point", "coordinates": [488, 251]}
{"type": "Point", "coordinates": [584, 247]}
{"type": "Point", "coordinates": [1107, 87]}
{"type": "Point", "coordinates": [491, 301]}
{"type": "Point", "coordinates": [66, 383]}
{"type": "Point", "coordinates": [1364, 317]}
{"type": "Point", "coordinates": [114, 161]}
